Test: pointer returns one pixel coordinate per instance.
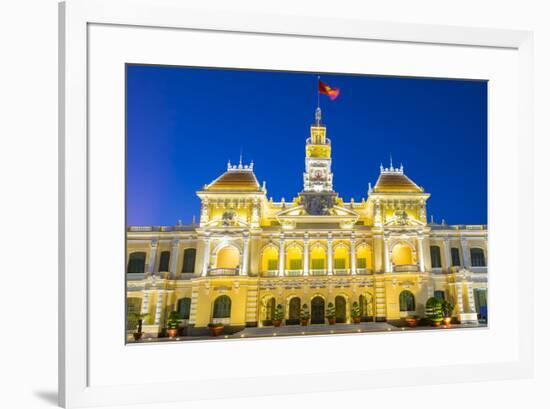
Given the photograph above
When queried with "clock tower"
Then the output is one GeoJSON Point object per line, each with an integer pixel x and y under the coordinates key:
{"type": "Point", "coordinates": [318, 195]}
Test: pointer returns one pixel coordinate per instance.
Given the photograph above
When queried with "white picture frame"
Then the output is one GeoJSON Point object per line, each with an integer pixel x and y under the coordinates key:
{"type": "Point", "coordinates": [76, 17]}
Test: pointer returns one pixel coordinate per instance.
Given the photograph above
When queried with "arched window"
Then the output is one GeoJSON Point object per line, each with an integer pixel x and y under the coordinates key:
{"type": "Point", "coordinates": [402, 254]}
{"type": "Point", "coordinates": [340, 304]}
{"type": "Point", "coordinates": [184, 307]}
{"type": "Point", "coordinates": [455, 256]}
{"type": "Point", "coordinates": [270, 259]}
{"type": "Point", "coordinates": [364, 256]}
{"type": "Point", "coordinates": [136, 263]}
{"type": "Point", "coordinates": [435, 253]}
{"type": "Point", "coordinates": [406, 301]}
{"type": "Point", "coordinates": [189, 256]}
{"type": "Point", "coordinates": [228, 257]}
{"type": "Point", "coordinates": [440, 295]}
{"type": "Point", "coordinates": [341, 258]}
{"type": "Point", "coordinates": [164, 264]}
{"type": "Point", "coordinates": [294, 258]}
{"type": "Point", "coordinates": [318, 256]}
{"type": "Point", "coordinates": [222, 307]}
{"type": "Point", "coordinates": [478, 257]}
{"type": "Point", "coordinates": [294, 311]}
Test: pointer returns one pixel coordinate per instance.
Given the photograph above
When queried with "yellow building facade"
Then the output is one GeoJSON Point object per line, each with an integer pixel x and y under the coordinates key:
{"type": "Point", "coordinates": [249, 253]}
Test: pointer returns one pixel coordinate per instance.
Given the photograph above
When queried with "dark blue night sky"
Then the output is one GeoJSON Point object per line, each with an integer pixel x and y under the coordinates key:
{"type": "Point", "coordinates": [183, 124]}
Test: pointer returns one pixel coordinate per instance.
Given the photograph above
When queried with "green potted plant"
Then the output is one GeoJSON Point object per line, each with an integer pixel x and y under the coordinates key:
{"type": "Point", "coordinates": [331, 313]}
{"type": "Point", "coordinates": [139, 322]}
{"type": "Point", "coordinates": [216, 328]}
{"type": "Point", "coordinates": [304, 315]}
{"type": "Point", "coordinates": [172, 323]}
{"type": "Point", "coordinates": [434, 311]}
{"type": "Point", "coordinates": [447, 309]}
{"type": "Point", "coordinates": [355, 312]}
{"type": "Point", "coordinates": [278, 316]}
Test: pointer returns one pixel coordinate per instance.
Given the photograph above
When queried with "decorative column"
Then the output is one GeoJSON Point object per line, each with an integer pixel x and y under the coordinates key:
{"type": "Point", "coordinates": [244, 268]}
{"type": "Point", "coordinates": [306, 254]}
{"type": "Point", "coordinates": [329, 254]}
{"type": "Point", "coordinates": [353, 260]}
{"type": "Point", "coordinates": [152, 257]}
{"type": "Point", "coordinates": [204, 211]}
{"type": "Point", "coordinates": [387, 262]}
{"type": "Point", "coordinates": [282, 255]}
{"type": "Point", "coordinates": [447, 250]}
{"type": "Point", "coordinates": [174, 258]}
{"type": "Point", "coordinates": [145, 303]}
{"type": "Point", "coordinates": [465, 253]}
{"type": "Point", "coordinates": [421, 262]}
{"type": "Point", "coordinates": [470, 298]}
{"type": "Point", "coordinates": [206, 259]}
{"type": "Point", "coordinates": [158, 310]}
{"type": "Point", "coordinates": [459, 299]}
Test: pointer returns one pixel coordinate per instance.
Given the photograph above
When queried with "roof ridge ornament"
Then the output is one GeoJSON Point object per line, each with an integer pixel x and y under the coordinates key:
{"type": "Point", "coordinates": [240, 167]}
{"type": "Point", "coordinates": [391, 170]}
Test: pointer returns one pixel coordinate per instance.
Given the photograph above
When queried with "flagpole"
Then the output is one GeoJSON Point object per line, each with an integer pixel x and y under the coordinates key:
{"type": "Point", "coordinates": [318, 94]}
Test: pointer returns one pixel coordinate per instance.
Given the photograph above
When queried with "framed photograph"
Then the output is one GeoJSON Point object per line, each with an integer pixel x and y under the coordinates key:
{"type": "Point", "coordinates": [259, 200]}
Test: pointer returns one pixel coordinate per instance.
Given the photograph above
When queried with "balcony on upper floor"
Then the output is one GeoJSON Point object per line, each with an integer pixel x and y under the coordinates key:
{"type": "Point", "coordinates": [294, 273]}
{"type": "Point", "coordinates": [135, 276]}
{"type": "Point", "coordinates": [269, 273]}
{"type": "Point", "coordinates": [363, 271]}
{"type": "Point", "coordinates": [223, 272]}
{"type": "Point", "coordinates": [341, 271]}
{"type": "Point", "coordinates": [318, 272]}
{"type": "Point", "coordinates": [406, 268]}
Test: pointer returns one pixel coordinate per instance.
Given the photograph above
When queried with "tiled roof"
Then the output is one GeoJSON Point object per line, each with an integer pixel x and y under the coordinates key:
{"type": "Point", "coordinates": [235, 180]}
{"type": "Point", "coordinates": [395, 182]}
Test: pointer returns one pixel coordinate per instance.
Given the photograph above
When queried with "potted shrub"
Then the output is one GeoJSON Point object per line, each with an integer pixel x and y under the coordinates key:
{"type": "Point", "coordinates": [304, 315]}
{"type": "Point", "coordinates": [355, 312]}
{"type": "Point", "coordinates": [139, 330]}
{"type": "Point", "coordinates": [447, 309]}
{"type": "Point", "coordinates": [172, 324]}
{"type": "Point", "coordinates": [411, 320]}
{"type": "Point", "coordinates": [434, 311]}
{"type": "Point", "coordinates": [278, 316]}
{"type": "Point", "coordinates": [216, 328]}
{"type": "Point", "coordinates": [331, 313]}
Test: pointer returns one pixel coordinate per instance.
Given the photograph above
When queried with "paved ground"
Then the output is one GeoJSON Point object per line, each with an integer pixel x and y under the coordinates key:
{"type": "Point", "coordinates": [298, 330]}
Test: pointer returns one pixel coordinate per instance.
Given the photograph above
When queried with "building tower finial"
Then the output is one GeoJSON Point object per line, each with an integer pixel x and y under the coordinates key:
{"type": "Point", "coordinates": [318, 116]}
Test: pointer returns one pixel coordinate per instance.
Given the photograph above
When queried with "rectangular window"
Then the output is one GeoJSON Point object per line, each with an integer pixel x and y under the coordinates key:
{"type": "Point", "coordinates": [436, 256]}
{"type": "Point", "coordinates": [272, 264]}
{"type": "Point", "coordinates": [339, 263]}
{"type": "Point", "coordinates": [455, 256]}
{"type": "Point", "coordinates": [189, 256]}
{"type": "Point", "coordinates": [440, 295]}
{"type": "Point", "coordinates": [164, 264]}
{"type": "Point", "coordinates": [295, 264]}
{"type": "Point", "coordinates": [318, 264]}
{"type": "Point", "coordinates": [361, 263]}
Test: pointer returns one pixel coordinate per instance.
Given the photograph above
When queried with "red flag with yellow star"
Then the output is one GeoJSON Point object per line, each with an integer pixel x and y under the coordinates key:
{"type": "Point", "coordinates": [332, 93]}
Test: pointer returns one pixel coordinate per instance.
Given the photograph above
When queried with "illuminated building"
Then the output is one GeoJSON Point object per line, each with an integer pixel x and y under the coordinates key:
{"type": "Point", "coordinates": [249, 253]}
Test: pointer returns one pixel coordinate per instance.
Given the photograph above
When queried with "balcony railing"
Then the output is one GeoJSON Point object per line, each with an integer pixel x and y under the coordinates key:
{"type": "Point", "coordinates": [135, 276]}
{"type": "Point", "coordinates": [222, 272]}
{"type": "Point", "coordinates": [363, 271]}
{"type": "Point", "coordinates": [294, 273]}
{"type": "Point", "coordinates": [406, 268]}
{"type": "Point", "coordinates": [270, 273]}
{"type": "Point", "coordinates": [318, 272]}
{"type": "Point", "coordinates": [341, 271]}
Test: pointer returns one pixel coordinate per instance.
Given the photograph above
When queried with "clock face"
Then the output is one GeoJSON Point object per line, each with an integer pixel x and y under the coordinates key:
{"type": "Point", "coordinates": [318, 174]}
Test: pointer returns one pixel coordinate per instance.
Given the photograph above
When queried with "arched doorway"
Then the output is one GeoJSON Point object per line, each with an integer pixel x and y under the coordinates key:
{"type": "Point", "coordinates": [269, 311]}
{"type": "Point", "coordinates": [317, 310]}
{"type": "Point", "coordinates": [407, 303]}
{"type": "Point", "coordinates": [366, 306]}
{"type": "Point", "coordinates": [293, 311]}
{"type": "Point", "coordinates": [340, 304]}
